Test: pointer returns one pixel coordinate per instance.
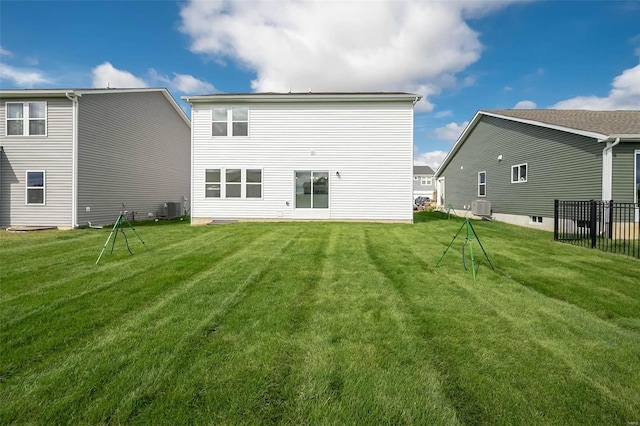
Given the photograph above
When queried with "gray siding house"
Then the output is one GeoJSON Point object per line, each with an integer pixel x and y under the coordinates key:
{"type": "Point", "coordinates": [423, 182]}
{"type": "Point", "coordinates": [519, 161]}
{"type": "Point", "coordinates": [73, 156]}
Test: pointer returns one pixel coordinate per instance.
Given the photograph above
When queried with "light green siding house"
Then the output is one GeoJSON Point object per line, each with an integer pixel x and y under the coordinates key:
{"type": "Point", "coordinates": [516, 162]}
{"type": "Point", "coordinates": [73, 156]}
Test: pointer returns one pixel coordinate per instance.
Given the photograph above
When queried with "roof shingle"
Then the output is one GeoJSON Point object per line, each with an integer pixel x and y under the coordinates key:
{"type": "Point", "coordinates": [603, 122]}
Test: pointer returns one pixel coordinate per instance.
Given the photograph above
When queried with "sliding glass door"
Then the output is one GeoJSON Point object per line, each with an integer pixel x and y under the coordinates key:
{"type": "Point", "coordinates": [312, 190]}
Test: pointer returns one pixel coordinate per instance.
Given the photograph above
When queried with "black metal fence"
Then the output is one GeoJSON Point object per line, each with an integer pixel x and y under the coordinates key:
{"type": "Point", "coordinates": [608, 226]}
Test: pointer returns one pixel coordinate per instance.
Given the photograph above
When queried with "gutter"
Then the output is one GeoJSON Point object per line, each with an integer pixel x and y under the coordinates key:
{"type": "Point", "coordinates": [74, 158]}
{"type": "Point", "coordinates": [607, 167]}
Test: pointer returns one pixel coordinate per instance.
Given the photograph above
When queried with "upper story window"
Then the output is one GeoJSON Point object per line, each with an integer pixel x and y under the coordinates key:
{"type": "Point", "coordinates": [26, 118]}
{"type": "Point", "coordinates": [519, 173]}
{"type": "Point", "coordinates": [230, 121]}
{"type": "Point", "coordinates": [482, 184]}
{"type": "Point", "coordinates": [426, 181]}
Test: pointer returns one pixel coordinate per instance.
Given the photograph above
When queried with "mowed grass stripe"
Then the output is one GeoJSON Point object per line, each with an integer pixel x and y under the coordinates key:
{"type": "Point", "coordinates": [84, 273]}
{"type": "Point", "coordinates": [487, 308]}
{"type": "Point", "coordinates": [207, 347]}
{"type": "Point", "coordinates": [118, 358]}
{"type": "Point", "coordinates": [246, 373]}
{"type": "Point", "coordinates": [79, 316]}
{"type": "Point", "coordinates": [20, 281]}
{"type": "Point", "coordinates": [363, 361]}
{"type": "Point", "coordinates": [42, 258]}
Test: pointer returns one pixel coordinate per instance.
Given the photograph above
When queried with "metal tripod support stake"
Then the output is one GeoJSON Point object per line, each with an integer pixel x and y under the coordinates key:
{"type": "Point", "coordinates": [468, 240]}
{"type": "Point", "coordinates": [117, 227]}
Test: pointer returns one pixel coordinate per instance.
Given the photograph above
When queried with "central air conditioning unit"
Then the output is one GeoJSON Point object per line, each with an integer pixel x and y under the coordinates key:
{"type": "Point", "coordinates": [172, 210]}
{"type": "Point", "coordinates": [481, 208]}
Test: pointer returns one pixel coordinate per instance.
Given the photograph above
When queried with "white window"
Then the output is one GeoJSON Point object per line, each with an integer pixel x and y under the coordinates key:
{"type": "Point", "coordinates": [482, 184]}
{"type": "Point", "coordinates": [233, 183]}
{"type": "Point", "coordinates": [536, 219]}
{"type": "Point", "coordinates": [212, 183]}
{"type": "Point", "coordinates": [219, 122]}
{"type": "Point", "coordinates": [26, 118]}
{"type": "Point", "coordinates": [426, 181]}
{"type": "Point", "coordinates": [254, 183]}
{"type": "Point", "coordinates": [35, 187]}
{"type": "Point", "coordinates": [229, 121]}
{"type": "Point", "coordinates": [519, 173]}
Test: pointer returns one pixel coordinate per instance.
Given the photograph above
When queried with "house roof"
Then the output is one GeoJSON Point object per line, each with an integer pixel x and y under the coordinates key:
{"type": "Point", "coordinates": [61, 93]}
{"type": "Point", "coordinates": [422, 170]}
{"type": "Point", "coordinates": [603, 122]}
{"type": "Point", "coordinates": [599, 125]}
{"type": "Point", "coordinates": [304, 97]}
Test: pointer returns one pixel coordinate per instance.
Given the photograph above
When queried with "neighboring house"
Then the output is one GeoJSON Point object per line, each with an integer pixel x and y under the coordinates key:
{"type": "Point", "coordinates": [289, 156]}
{"type": "Point", "coordinates": [521, 160]}
{"type": "Point", "coordinates": [73, 156]}
{"type": "Point", "coordinates": [423, 182]}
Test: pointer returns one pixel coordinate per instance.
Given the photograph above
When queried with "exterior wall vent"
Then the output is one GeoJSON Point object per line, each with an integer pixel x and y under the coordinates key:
{"type": "Point", "coordinates": [481, 208]}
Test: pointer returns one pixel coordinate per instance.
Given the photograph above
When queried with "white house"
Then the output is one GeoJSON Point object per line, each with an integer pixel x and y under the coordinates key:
{"type": "Point", "coordinates": [292, 156]}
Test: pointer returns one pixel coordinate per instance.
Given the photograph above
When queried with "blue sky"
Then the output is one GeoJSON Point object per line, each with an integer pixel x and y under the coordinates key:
{"type": "Point", "coordinates": [462, 55]}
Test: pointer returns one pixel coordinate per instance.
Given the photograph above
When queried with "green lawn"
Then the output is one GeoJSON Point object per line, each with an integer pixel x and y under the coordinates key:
{"type": "Point", "coordinates": [316, 323]}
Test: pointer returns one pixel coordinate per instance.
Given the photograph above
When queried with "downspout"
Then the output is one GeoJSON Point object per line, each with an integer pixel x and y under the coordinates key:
{"type": "Point", "coordinates": [74, 158]}
{"type": "Point", "coordinates": [607, 168]}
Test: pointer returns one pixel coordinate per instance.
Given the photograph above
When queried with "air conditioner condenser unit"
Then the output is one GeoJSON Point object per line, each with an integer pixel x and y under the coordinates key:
{"type": "Point", "coordinates": [481, 208]}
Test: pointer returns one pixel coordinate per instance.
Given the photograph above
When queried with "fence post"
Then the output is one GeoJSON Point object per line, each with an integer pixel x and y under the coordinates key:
{"type": "Point", "coordinates": [592, 222]}
{"type": "Point", "coordinates": [555, 219]}
{"type": "Point", "coordinates": [610, 230]}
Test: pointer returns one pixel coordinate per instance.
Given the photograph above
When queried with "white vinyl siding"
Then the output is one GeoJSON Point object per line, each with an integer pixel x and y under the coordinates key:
{"type": "Point", "coordinates": [369, 144]}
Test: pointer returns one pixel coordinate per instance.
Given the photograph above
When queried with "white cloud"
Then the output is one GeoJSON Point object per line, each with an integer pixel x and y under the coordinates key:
{"type": "Point", "coordinates": [4, 51]}
{"type": "Point", "coordinates": [625, 94]}
{"type": "Point", "coordinates": [525, 105]}
{"type": "Point", "coordinates": [183, 83]}
{"type": "Point", "coordinates": [23, 77]}
{"type": "Point", "coordinates": [189, 84]}
{"type": "Point", "coordinates": [340, 46]}
{"type": "Point", "coordinates": [450, 132]}
{"type": "Point", "coordinates": [442, 114]}
{"type": "Point", "coordinates": [432, 159]}
{"type": "Point", "coordinates": [105, 75]}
